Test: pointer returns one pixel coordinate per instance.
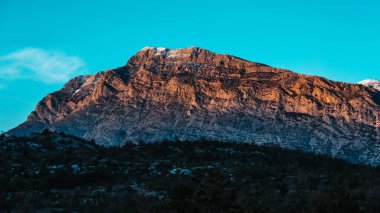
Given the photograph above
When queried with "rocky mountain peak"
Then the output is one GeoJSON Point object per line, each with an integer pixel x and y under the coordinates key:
{"type": "Point", "coordinates": [174, 54]}
{"type": "Point", "coordinates": [187, 56]}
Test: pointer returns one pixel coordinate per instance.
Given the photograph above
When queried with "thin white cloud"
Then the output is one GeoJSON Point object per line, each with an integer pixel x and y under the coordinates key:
{"type": "Point", "coordinates": [49, 67]}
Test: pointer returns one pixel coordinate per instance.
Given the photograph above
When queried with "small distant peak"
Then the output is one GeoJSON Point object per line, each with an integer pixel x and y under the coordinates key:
{"type": "Point", "coordinates": [369, 81]}
{"type": "Point", "coordinates": [372, 83]}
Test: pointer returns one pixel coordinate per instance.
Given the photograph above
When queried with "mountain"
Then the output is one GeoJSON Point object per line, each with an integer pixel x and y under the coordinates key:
{"type": "Point", "coordinates": [371, 83]}
{"type": "Point", "coordinates": [191, 94]}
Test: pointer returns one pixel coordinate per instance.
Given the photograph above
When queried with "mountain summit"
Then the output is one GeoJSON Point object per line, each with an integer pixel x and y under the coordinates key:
{"type": "Point", "coordinates": [192, 94]}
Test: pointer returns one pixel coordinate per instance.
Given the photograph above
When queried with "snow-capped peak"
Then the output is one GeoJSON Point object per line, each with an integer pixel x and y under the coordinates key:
{"type": "Point", "coordinates": [372, 83]}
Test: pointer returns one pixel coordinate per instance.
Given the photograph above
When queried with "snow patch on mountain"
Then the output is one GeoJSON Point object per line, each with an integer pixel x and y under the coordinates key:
{"type": "Point", "coordinates": [372, 83]}
{"type": "Point", "coordinates": [167, 52]}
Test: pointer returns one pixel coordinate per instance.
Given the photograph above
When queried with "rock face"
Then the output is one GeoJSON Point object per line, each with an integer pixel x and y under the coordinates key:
{"type": "Point", "coordinates": [192, 94]}
{"type": "Point", "coordinates": [371, 83]}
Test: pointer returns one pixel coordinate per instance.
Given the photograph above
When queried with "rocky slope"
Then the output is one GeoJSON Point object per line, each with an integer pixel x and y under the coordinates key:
{"type": "Point", "coordinates": [192, 94]}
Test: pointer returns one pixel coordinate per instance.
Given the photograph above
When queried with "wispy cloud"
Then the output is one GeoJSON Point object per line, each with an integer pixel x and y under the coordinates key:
{"type": "Point", "coordinates": [49, 67]}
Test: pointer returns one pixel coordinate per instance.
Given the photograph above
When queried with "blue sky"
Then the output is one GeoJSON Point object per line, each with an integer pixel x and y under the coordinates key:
{"type": "Point", "coordinates": [43, 43]}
